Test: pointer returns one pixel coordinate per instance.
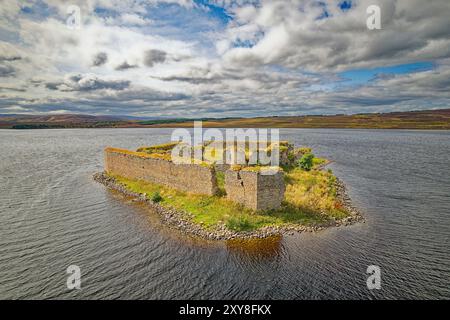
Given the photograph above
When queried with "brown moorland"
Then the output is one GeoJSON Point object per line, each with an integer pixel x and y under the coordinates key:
{"type": "Point", "coordinates": [426, 119]}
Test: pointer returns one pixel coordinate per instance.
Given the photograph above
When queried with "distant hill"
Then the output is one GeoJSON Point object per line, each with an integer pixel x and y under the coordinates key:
{"type": "Point", "coordinates": [17, 121]}
{"type": "Point", "coordinates": [427, 119]}
{"type": "Point", "coordinates": [56, 118]}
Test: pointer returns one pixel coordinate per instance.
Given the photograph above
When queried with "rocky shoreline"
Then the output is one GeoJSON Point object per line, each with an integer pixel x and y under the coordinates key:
{"type": "Point", "coordinates": [183, 220]}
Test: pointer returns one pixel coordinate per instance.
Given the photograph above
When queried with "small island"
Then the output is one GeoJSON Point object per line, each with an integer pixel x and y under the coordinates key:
{"type": "Point", "coordinates": [222, 202]}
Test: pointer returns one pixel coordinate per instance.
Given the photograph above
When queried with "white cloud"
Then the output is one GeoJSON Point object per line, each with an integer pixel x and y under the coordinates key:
{"type": "Point", "coordinates": [275, 57]}
{"type": "Point", "coordinates": [296, 38]}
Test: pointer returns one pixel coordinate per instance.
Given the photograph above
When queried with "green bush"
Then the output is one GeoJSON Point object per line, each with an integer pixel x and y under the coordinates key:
{"type": "Point", "coordinates": [220, 176]}
{"type": "Point", "coordinates": [306, 162]}
{"type": "Point", "coordinates": [291, 157]}
{"type": "Point", "coordinates": [304, 150]}
{"type": "Point", "coordinates": [240, 223]}
{"type": "Point", "coordinates": [156, 197]}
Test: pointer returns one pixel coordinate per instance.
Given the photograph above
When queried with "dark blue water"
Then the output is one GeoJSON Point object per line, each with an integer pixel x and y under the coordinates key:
{"type": "Point", "coordinates": [52, 215]}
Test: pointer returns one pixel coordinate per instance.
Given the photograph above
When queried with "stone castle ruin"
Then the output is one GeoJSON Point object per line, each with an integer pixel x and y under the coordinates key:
{"type": "Point", "coordinates": [254, 186]}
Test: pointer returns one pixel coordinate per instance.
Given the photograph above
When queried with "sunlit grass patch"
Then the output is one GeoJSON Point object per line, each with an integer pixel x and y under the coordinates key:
{"type": "Point", "coordinates": [314, 191]}
{"type": "Point", "coordinates": [310, 199]}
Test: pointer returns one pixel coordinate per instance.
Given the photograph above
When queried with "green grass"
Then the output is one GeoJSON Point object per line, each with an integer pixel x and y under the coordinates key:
{"type": "Point", "coordinates": [156, 197]}
{"type": "Point", "coordinates": [160, 148]}
{"type": "Point", "coordinates": [310, 199]}
{"type": "Point", "coordinates": [240, 223]}
{"type": "Point", "coordinates": [319, 161]}
{"type": "Point", "coordinates": [220, 176]}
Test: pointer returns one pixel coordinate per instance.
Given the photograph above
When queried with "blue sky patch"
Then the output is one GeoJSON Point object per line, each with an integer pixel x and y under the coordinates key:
{"type": "Point", "coordinates": [363, 76]}
{"type": "Point", "coordinates": [345, 5]}
{"type": "Point", "coordinates": [186, 24]}
{"type": "Point", "coordinates": [37, 11]}
{"type": "Point", "coordinates": [325, 14]}
{"type": "Point", "coordinates": [215, 11]}
{"type": "Point", "coordinates": [105, 13]}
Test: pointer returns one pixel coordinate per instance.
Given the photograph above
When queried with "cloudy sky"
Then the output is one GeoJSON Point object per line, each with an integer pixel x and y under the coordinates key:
{"type": "Point", "coordinates": [217, 58]}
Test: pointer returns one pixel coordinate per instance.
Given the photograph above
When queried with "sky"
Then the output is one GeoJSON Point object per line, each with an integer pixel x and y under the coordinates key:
{"type": "Point", "coordinates": [222, 58]}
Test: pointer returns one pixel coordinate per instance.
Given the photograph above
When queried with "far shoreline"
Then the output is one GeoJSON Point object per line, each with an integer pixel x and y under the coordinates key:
{"type": "Point", "coordinates": [206, 127]}
{"type": "Point", "coordinates": [407, 120]}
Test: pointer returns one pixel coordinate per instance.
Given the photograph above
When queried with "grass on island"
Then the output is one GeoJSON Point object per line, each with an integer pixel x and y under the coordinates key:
{"type": "Point", "coordinates": [310, 199]}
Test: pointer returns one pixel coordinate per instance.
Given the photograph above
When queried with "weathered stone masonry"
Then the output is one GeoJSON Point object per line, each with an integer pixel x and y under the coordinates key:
{"type": "Point", "coordinates": [255, 190]}
{"type": "Point", "coordinates": [251, 188]}
{"type": "Point", "coordinates": [185, 177]}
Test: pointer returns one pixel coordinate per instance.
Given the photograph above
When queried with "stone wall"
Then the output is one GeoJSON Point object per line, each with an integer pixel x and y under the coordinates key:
{"type": "Point", "coordinates": [251, 188]}
{"type": "Point", "coordinates": [191, 178]}
{"type": "Point", "coordinates": [255, 190]}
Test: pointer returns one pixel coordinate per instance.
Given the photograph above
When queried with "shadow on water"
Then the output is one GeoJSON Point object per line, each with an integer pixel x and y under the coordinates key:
{"type": "Point", "coordinates": [256, 249]}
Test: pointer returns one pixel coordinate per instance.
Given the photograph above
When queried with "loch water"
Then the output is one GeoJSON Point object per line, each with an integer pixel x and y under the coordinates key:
{"type": "Point", "coordinates": [53, 215]}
